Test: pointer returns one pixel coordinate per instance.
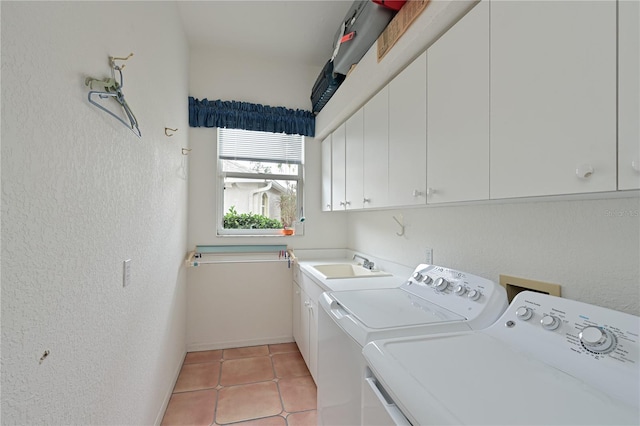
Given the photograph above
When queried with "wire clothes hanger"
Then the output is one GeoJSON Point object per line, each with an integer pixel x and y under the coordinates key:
{"type": "Point", "coordinates": [112, 88]}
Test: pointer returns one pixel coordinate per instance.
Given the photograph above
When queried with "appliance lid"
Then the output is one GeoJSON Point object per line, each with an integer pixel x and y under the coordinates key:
{"type": "Point", "coordinates": [493, 384]}
{"type": "Point", "coordinates": [392, 307]}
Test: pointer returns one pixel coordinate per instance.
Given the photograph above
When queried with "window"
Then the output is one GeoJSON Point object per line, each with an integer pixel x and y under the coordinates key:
{"type": "Point", "coordinates": [260, 181]}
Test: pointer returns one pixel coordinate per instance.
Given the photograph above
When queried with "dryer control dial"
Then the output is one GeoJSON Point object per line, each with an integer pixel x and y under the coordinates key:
{"type": "Point", "coordinates": [460, 290]}
{"type": "Point", "coordinates": [441, 284]}
{"type": "Point", "coordinates": [598, 340]}
{"type": "Point", "coordinates": [523, 313]}
{"type": "Point", "coordinates": [474, 295]}
{"type": "Point", "coordinates": [417, 276]}
{"type": "Point", "coordinates": [549, 322]}
{"type": "Point", "coordinates": [427, 280]}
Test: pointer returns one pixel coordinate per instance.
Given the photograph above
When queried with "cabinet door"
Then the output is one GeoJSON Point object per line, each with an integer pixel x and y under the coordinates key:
{"type": "Point", "coordinates": [376, 148]}
{"type": "Point", "coordinates": [326, 174]}
{"type": "Point", "coordinates": [553, 97]}
{"type": "Point", "coordinates": [303, 343]}
{"type": "Point", "coordinates": [458, 111]}
{"type": "Point", "coordinates": [338, 168]}
{"type": "Point", "coordinates": [313, 339]}
{"type": "Point", "coordinates": [297, 315]}
{"type": "Point", "coordinates": [628, 95]}
{"type": "Point", "coordinates": [354, 160]}
{"type": "Point", "coordinates": [408, 135]}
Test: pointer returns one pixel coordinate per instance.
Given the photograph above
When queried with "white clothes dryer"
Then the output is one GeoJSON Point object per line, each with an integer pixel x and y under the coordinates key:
{"type": "Point", "coordinates": [433, 300]}
{"type": "Point", "coordinates": [546, 361]}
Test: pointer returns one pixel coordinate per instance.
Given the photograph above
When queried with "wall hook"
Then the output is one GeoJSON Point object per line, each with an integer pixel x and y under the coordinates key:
{"type": "Point", "coordinates": [186, 151]}
{"type": "Point", "coordinates": [167, 129]}
{"type": "Point", "coordinates": [401, 233]}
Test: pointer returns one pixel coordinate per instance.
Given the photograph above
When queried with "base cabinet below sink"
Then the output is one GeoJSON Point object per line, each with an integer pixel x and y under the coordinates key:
{"type": "Point", "coordinates": [305, 318]}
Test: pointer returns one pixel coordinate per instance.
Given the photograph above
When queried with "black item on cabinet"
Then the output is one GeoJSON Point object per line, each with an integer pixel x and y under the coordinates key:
{"type": "Point", "coordinates": [325, 86]}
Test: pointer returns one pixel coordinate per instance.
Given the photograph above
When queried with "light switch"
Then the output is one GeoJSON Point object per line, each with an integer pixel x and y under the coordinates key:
{"type": "Point", "coordinates": [126, 273]}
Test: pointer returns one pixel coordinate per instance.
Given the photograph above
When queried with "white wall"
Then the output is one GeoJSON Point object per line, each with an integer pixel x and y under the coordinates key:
{"type": "Point", "coordinates": [590, 247]}
{"type": "Point", "coordinates": [239, 304]}
{"type": "Point", "coordinates": [80, 194]}
{"type": "Point", "coordinates": [230, 76]}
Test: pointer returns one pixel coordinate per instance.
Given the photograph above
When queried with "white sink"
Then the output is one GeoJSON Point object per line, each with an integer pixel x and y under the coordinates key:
{"type": "Point", "coordinates": [347, 270]}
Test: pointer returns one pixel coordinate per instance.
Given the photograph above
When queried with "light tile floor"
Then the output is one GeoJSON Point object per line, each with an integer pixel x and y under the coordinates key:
{"type": "Point", "coordinates": [267, 385]}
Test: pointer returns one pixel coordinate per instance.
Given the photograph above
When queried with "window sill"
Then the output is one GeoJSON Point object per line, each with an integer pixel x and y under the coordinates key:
{"type": "Point", "coordinates": [257, 233]}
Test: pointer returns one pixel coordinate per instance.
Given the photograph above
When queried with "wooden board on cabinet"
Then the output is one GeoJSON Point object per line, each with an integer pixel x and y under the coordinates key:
{"type": "Point", "coordinates": [398, 25]}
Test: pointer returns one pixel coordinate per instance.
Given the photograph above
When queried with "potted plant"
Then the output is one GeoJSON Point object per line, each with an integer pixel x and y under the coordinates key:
{"type": "Point", "coordinates": [288, 206]}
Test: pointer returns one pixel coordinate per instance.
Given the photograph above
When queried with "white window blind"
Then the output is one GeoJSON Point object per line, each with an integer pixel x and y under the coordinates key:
{"type": "Point", "coordinates": [235, 144]}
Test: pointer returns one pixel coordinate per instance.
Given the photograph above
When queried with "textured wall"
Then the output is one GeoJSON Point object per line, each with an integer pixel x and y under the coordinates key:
{"type": "Point", "coordinates": [80, 194]}
{"type": "Point", "coordinates": [590, 247]}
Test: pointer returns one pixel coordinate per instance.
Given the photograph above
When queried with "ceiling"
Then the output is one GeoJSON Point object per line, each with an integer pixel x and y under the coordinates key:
{"type": "Point", "coordinates": [293, 30]}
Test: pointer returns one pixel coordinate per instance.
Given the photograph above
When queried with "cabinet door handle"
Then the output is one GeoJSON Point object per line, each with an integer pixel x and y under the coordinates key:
{"type": "Point", "coordinates": [328, 206]}
{"type": "Point", "coordinates": [366, 200]}
{"type": "Point", "coordinates": [431, 191]}
{"type": "Point", "coordinates": [347, 203]}
{"type": "Point", "coordinates": [342, 203]}
{"type": "Point", "coordinates": [417, 193]}
{"type": "Point", "coordinates": [584, 171]}
{"type": "Point", "coordinates": [635, 165]}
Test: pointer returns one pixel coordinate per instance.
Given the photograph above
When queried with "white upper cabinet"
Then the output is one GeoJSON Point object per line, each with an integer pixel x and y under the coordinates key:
{"type": "Point", "coordinates": [338, 179]}
{"type": "Point", "coordinates": [458, 111]}
{"type": "Point", "coordinates": [628, 95]}
{"type": "Point", "coordinates": [326, 174]}
{"type": "Point", "coordinates": [408, 135]}
{"type": "Point", "coordinates": [553, 97]}
{"type": "Point", "coordinates": [354, 160]}
{"type": "Point", "coordinates": [376, 147]}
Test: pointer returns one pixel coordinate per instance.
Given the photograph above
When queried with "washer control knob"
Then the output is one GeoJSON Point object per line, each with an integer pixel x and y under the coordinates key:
{"type": "Point", "coordinates": [598, 340]}
{"type": "Point", "coordinates": [417, 276]}
{"type": "Point", "coordinates": [474, 294]}
{"type": "Point", "coordinates": [460, 290]}
{"type": "Point", "coordinates": [549, 322]}
{"type": "Point", "coordinates": [441, 284]}
{"type": "Point", "coordinates": [427, 280]}
{"type": "Point", "coordinates": [523, 313]}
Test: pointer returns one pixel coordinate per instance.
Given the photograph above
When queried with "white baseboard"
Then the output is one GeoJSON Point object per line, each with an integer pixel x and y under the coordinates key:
{"type": "Point", "coordinates": [167, 397]}
{"type": "Point", "coordinates": [196, 347]}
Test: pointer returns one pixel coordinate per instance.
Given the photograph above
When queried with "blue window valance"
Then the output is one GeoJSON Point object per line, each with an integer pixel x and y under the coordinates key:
{"type": "Point", "coordinates": [247, 116]}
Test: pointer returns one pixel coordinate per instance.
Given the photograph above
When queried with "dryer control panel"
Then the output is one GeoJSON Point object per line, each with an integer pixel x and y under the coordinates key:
{"type": "Point", "coordinates": [595, 344]}
{"type": "Point", "coordinates": [477, 299]}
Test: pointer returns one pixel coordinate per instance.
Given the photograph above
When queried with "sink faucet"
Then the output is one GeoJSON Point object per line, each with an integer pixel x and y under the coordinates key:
{"type": "Point", "coordinates": [367, 264]}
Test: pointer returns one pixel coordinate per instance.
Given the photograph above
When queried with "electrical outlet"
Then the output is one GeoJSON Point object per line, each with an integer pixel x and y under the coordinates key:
{"type": "Point", "coordinates": [428, 256]}
{"type": "Point", "coordinates": [126, 273]}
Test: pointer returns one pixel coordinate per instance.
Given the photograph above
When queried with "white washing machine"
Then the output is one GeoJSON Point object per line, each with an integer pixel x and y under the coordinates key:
{"type": "Point", "coordinates": [546, 361]}
{"type": "Point", "coordinates": [433, 300]}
